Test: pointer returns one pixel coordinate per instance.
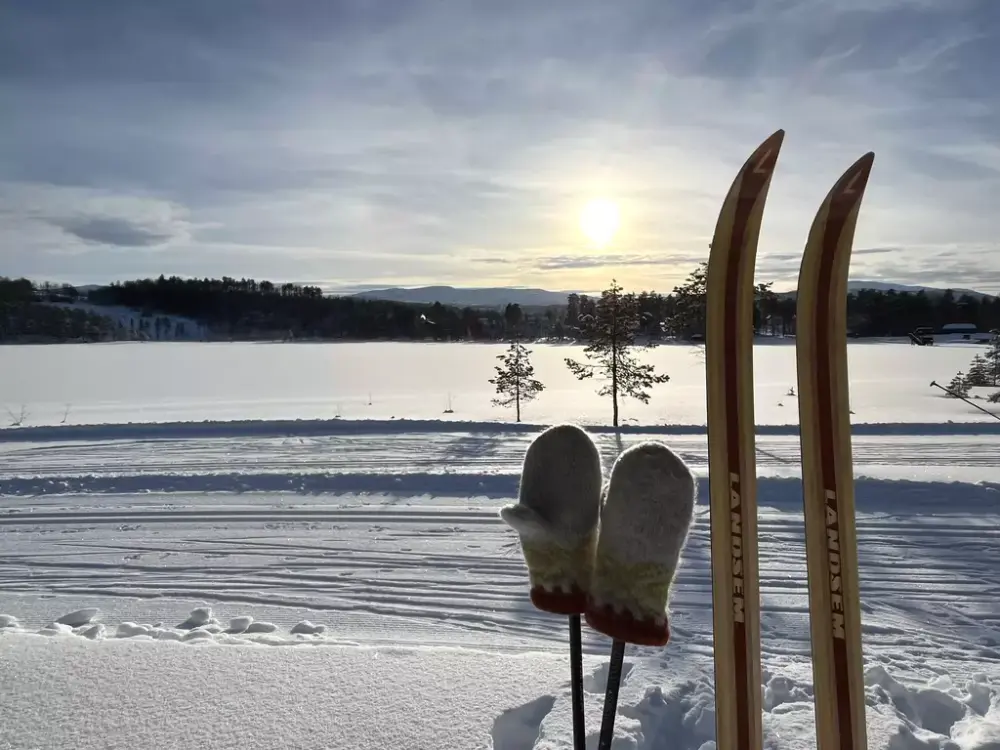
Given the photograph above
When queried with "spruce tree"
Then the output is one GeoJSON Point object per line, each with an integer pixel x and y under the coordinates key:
{"type": "Point", "coordinates": [610, 332]}
{"type": "Point", "coordinates": [992, 359]}
{"type": "Point", "coordinates": [959, 385]}
{"type": "Point", "coordinates": [979, 373]}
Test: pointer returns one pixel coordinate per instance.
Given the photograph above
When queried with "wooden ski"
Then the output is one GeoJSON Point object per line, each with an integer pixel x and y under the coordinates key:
{"type": "Point", "coordinates": [827, 471]}
{"type": "Point", "coordinates": [731, 444]}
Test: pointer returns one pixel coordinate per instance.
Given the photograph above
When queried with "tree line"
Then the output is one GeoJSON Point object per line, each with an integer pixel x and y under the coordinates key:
{"type": "Point", "coordinates": [30, 315]}
{"type": "Point", "coordinates": [242, 308]}
{"type": "Point", "coordinates": [247, 309]}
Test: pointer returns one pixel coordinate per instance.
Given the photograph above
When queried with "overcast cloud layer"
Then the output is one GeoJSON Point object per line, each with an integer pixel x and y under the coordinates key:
{"type": "Point", "coordinates": [451, 141]}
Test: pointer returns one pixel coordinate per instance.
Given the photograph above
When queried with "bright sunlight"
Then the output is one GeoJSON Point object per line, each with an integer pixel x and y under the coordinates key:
{"type": "Point", "coordinates": [599, 221]}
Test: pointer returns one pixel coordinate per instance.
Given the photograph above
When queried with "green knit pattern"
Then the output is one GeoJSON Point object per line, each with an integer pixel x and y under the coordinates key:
{"type": "Point", "coordinates": [641, 588]}
{"type": "Point", "coordinates": [560, 567]}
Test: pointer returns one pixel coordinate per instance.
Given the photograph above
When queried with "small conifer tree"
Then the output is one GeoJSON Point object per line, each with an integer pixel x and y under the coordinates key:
{"type": "Point", "coordinates": [515, 379]}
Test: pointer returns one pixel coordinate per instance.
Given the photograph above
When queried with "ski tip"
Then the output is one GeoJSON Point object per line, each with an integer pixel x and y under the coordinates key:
{"type": "Point", "coordinates": [865, 163]}
{"type": "Point", "coordinates": [765, 156]}
{"type": "Point", "coordinates": [851, 185]}
{"type": "Point", "coordinates": [760, 166]}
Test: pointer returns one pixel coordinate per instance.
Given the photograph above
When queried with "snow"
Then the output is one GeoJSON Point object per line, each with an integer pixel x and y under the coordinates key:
{"type": "Point", "coordinates": [187, 381]}
{"type": "Point", "coordinates": [203, 555]}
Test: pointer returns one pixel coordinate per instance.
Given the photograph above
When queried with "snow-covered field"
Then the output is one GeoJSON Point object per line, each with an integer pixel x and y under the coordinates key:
{"type": "Point", "coordinates": [295, 580]}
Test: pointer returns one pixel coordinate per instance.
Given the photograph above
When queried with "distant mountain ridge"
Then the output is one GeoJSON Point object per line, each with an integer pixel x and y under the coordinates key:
{"type": "Point", "coordinates": [494, 297]}
{"type": "Point", "coordinates": [884, 286]}
{"type": "Point", "coordinates": [469, 296]}
{"type": "Point", "coordinates": [498, 297]}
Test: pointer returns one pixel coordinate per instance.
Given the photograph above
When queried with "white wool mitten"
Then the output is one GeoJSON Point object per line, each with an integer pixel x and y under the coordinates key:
{"type": "Point", "coordinates": [647, 513]}
{"type": "Point", "coordinates": [556, 516]}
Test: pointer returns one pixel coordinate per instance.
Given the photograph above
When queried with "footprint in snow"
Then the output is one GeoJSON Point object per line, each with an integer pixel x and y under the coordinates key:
{"type": "Point", "coordinates": [517, 728]}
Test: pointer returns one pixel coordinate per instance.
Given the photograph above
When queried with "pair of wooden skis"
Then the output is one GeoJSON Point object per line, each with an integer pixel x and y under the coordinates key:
{"type": "Point", "coordinates": [827, 473]}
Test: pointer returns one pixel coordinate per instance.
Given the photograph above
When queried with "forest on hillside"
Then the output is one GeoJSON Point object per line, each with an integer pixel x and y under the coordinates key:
{"type": "Point", "coordinates": [248, 309]}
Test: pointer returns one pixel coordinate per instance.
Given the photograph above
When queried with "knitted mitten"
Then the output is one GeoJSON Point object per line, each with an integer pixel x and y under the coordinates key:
{"type": "Point", "coordinates": [556, 517]}
{"type": "Point", "coordinates": [648, 510]}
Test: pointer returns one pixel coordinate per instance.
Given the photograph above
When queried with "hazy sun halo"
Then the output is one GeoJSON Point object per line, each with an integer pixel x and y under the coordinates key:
{"type": "Point", "coordinates": [599, 221]}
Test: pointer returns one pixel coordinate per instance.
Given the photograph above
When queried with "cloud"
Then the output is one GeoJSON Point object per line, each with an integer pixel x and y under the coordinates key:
{"type": "Point", "coordinates": [876, 250]}
{"type": "Point", "coordinates": [607, 261]}
{"type": "Point", "coordinates": [447, 141]}
{"type": "Point", "coordinates": [108, 230]}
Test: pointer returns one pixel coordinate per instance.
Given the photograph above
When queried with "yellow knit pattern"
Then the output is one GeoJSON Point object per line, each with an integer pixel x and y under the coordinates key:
{"type": "Point", "coordinates": [642, 588]}
{"type": "Point", "coordinates": [557, 567]}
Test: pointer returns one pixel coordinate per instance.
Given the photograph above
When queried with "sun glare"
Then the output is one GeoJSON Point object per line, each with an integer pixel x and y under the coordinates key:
{"type": "Point", "coordinates": [599, 221]}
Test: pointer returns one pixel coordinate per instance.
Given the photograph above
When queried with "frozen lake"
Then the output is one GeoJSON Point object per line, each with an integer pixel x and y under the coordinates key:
{"type": "Point", "coordinates": [136, 382]}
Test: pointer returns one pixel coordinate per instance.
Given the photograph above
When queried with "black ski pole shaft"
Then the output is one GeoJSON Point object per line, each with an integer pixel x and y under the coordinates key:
{"type": "Point", "coordinates": [611, 695]}
{"type": "Point", "coordinates": [576, 682]}
{"type": "Point", "coordinates": [959, 395]}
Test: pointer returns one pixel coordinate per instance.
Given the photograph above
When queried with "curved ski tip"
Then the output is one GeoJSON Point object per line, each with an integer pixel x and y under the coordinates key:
{"type": "Point", "coordinates": [863, 164]}
{"type": "Point", "coordinates": [771, 143]}
{"type": "Point", "coordinates": [765, 157]}
{"type": "Point", "coordinates": [855, 178]}
{"type": "Point", "coordinates": [865, 161]}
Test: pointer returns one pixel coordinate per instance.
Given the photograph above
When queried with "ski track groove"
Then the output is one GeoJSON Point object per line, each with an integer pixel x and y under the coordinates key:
{"type": "Point", "coordinates": [399, 583]}
{"type": "Point", "coordinates": [393, 566]}
{"type": "Point", "coordinates": [402, 453]}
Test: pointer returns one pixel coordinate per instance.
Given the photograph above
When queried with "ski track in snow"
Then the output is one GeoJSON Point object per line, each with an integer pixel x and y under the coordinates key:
{"type": "Point", "coordinates": [367, 541]}
{"type": "Point", "coordinates": [372, 462]}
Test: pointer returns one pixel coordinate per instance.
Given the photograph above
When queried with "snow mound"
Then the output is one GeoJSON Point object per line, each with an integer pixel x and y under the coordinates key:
{"type": "Point", "coordinates": [261, 627]}
{"type": "Point", "coordinates": [78, 618]}
{"type": "Point", "coordinates": [307, 628]}
{"type": "Point", "coordinates": [199, 617]}
{"type": "Point", "coordinates": [940, 715]}
{"type": "Point", "coordinates": [199, 626]}
{"type": "Point", "coordinates": [239, 624]}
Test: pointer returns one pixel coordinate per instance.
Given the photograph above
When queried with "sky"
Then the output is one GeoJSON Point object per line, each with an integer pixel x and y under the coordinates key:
{"type": "Point", "coordinates": [366, 143]}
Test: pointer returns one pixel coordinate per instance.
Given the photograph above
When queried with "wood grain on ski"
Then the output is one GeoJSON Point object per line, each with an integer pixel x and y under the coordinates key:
{"type": "Point", "coordinates": [732, 464]}
{"type": "Point", "coordinates": [827, 471]}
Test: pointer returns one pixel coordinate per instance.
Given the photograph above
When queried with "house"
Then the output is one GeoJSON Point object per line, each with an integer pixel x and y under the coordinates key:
{"type": "Point", "coordinates": [962, 332]}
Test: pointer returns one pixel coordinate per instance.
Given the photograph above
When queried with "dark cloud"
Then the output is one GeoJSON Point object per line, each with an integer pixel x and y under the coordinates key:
{"type": "Point", "coordinates": [108, 230]}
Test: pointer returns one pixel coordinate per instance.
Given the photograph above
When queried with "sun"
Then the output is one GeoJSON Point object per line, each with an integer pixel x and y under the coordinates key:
{"type": "Point", "coordinates": [599, 221]}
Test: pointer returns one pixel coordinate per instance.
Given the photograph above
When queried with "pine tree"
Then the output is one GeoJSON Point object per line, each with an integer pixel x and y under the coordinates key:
{"type": "Point", "coordinates": [610, 332]}
{"type": "Point", "coordinates": [993, 361]}
{"type": "Point", "coordinates": [959, 385]}
{"type": "Point", "coordinates": [515, 380]}
{"type": "Point", "coordinates": [690, 299]}
{"type": "Point", "coordinates": [979, 373]}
